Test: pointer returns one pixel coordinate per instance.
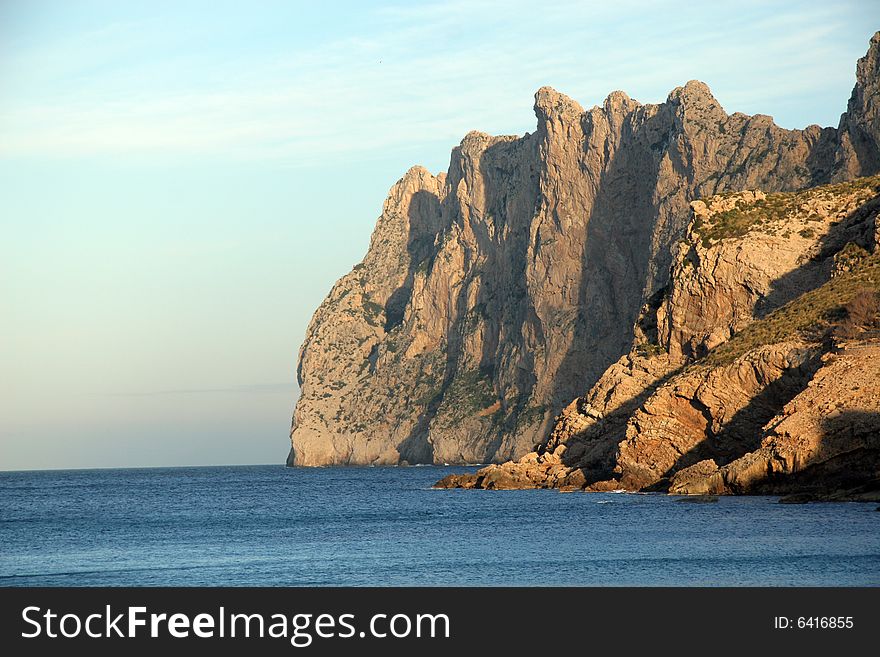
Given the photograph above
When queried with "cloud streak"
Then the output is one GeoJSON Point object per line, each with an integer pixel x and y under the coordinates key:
{"type": "Point", "coordinates": [422, 73]}
{"type": "Point", "coordinates": [254, 388]}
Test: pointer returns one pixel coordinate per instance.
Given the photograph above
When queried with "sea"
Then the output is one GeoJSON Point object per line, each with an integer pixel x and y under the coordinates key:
{"type": "Point", "coordinates": [386, 526]}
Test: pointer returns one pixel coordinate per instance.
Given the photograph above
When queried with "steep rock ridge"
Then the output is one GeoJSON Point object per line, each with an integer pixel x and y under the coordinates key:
{"type": "Point", "coordinates": [827, 438]}
{"type": "Point", "coordinates": [493, 295]}
{"type": "Point", "coordinates": [345, 334]}
{"type": "Point", "coordinates": [859, 129]}
{"type": "Point", "coordinates": [763, 276]}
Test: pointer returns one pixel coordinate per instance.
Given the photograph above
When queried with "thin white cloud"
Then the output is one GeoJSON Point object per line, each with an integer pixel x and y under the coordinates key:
{"type": "Point", "coordinates": [254, 388]}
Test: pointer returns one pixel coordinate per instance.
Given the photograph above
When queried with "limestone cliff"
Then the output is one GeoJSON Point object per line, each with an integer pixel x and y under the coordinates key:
{"type": "Point", "coordinates": [494, 294]}
{"type": "Point", "coordinates": [760, 378]}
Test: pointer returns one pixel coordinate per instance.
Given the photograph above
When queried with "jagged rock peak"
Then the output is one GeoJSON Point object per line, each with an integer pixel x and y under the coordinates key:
{"type": "Point", "coordinates": [416, 178]}
{"type": "Point", "coordinates": [694, 92]}
{"type": "Point", "coordinates": [549, 102]}
{"type": "Point", "coordinates": [417, 173]}
{"type": "Point", "coordinates": [619, 102]}
{"type": "Point", "coordinates": [475, 142]}
{"type": "Point", "coordinates": [859, 144]}
{"type": "Point", "coordinates": [864, 98]}
{"type": "Point", "coordinates": [868, 66]}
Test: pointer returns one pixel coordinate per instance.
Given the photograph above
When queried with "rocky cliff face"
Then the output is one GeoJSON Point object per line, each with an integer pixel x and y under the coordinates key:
{"type": "Point", "coordinates": [761, 379]}
{"type": "Point", "coordinates": [494, 294]}
{"type": "Point", "coordinates": [827, 438]}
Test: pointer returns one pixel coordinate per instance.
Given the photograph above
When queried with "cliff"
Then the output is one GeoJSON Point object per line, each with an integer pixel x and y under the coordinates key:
{"type": "Point", "coordinates": [541, 266]}
{"type": "Point", "coordinates": [758, 375]}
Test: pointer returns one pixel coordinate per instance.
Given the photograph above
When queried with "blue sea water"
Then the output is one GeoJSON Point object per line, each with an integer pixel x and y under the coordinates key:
{"type": "Point", "coordinates": [274, 526]}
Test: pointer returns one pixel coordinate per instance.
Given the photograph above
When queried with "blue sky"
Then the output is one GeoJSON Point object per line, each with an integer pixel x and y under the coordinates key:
{"type": "Point", "coordinates": [182, 182]}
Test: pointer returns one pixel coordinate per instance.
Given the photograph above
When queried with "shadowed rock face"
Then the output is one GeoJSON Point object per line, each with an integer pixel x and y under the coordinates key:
{"type": "Point", "coordinates": [826, 439]}
{"type": "Point", "coordinates": [859, 131]}
{"type": "Point", "coordinates": [494, 294]}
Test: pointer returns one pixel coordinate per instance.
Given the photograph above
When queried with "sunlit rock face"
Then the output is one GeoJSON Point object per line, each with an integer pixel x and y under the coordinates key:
{"type": "Point", "coordinates": [494, 294]}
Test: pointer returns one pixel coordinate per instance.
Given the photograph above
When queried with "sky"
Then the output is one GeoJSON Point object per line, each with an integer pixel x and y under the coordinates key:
{"type": "Point", "coordinates": [182, 182]}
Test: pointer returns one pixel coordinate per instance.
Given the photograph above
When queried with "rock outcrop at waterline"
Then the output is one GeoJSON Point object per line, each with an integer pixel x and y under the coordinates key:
{"type": "Point", "coordinates": [827, 438]}
{"type": "Point", "coordinates": [494, 294]}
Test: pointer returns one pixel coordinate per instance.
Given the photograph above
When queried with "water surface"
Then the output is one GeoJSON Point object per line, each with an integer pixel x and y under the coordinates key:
{"type": "Point", "coordinates": [275, 526]}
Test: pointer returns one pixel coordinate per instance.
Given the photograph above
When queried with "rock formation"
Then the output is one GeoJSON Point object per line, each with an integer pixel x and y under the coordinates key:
{"type": "Point", "coordinates": [762, 378]}
{"type": "Point", "coordinates": [542, 266]}
{"type": "Point", "coordinates": [827, 438]}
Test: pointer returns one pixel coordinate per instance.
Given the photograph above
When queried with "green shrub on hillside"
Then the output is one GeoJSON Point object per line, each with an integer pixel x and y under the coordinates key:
{"type": "Point", "coordinates": [777, 208]}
